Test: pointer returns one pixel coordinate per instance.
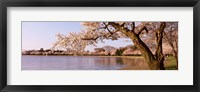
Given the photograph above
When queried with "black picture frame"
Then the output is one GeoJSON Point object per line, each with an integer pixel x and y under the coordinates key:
{"type": "Point", "coordinates": [98, 3]}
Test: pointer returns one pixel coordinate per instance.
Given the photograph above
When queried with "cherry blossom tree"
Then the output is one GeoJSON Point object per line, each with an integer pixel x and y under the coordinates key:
{"type": "Point", "coordinates": [140, 33]}
{"type": "Point", "coordinates": [108, 48]}
{"type": "Point", "coordinates": [171, 38]}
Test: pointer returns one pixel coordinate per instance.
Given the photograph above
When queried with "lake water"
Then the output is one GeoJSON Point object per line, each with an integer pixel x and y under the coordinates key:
{"type": "Point", "coordinates": [30, 62]}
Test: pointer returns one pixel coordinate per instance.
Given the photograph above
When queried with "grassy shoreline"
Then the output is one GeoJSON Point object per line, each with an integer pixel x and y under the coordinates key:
{"type": "Point", "coordinates": [169, 63]}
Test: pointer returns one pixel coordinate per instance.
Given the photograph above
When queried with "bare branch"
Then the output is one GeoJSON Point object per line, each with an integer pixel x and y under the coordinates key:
{"type": "Point", "coordinates": [90, 38]}
{"type": "Point", "coordinates": [106, 26]}
{"type": "Point", "coordinates": [123, 24]}
{"type": "Point", "coordinates": [144, 28]}
{"type": "Point", "coordinates": [133, 26]}
{"type": "Point", "coordinates": [118, 26]}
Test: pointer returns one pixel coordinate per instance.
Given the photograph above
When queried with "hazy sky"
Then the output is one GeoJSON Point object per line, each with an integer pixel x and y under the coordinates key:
{"type": "Point", "coordinates": [36, 35]}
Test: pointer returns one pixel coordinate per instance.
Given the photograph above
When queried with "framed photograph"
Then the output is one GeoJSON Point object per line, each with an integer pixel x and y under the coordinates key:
{"type": "Point", "coordinates": [129, 45]}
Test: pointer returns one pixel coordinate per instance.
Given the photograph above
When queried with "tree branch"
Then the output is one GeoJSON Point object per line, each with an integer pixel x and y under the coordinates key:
{"type": "Point", "coordinates": [106, 26]}
{"type": "Point", "coordinates": [144, 28]}
{"type": "Point", "coordinates": [90, 38]}
{"type": "Point", "coordinates": [118, 27]}
{"type": "Point", "coordinates": [123, 24]}
{"type": "Point", "coordinates": [159, 36]}
{"type": "Point", "coordinates": [133, 26]}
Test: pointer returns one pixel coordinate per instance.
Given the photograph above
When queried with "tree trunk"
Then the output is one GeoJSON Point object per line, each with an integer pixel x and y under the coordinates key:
{"type": "Point", "coordinates": [154, 62]}
{"type": "Point", "coordinates": [159, 51]}
{"type": "Point", "coordinates": [148, 55]}
{"type": "Point", "coordinates": [144, 49]}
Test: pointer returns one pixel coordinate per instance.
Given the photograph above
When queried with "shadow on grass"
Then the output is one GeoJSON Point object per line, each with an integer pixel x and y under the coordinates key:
{"type": "Point", "coordinates": [171, 68]}
{"type": "Point", "coordinates": [171, 63]}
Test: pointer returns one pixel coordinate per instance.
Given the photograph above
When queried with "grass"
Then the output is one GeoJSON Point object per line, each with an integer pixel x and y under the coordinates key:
{"type": "Point", "coordinates": [170, 63]}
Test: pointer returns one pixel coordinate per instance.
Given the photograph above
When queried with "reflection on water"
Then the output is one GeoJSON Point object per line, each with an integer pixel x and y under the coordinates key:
{"type": "Point", "coordinates": [79, 62]}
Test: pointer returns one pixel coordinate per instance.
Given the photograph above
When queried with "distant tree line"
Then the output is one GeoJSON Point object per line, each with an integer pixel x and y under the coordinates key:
{"type": "Point", "coordinates": [129, 50]}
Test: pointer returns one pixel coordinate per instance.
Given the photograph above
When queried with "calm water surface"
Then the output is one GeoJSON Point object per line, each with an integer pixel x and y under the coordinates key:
{"type": "Point", "coordinates": [30, 62]}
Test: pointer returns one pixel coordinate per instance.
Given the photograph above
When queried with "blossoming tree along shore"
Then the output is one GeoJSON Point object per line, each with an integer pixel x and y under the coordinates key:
{"type": "Point", "coordinates": [140, 33]}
